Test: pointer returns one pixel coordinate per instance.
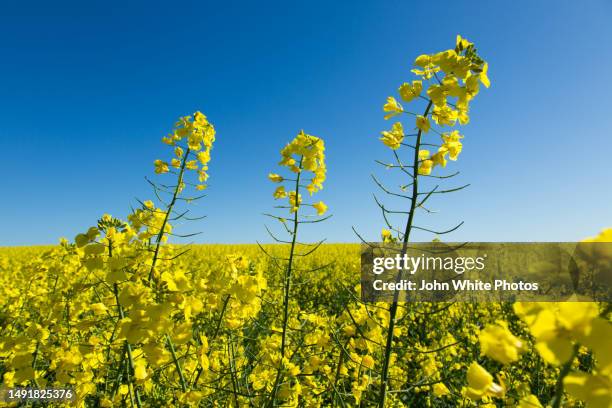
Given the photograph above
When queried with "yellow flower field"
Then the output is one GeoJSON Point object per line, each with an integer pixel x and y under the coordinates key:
{"type": "Point", "coordinates": [124, 317]}
{"type": "Point", "coordinates": [210, 333]}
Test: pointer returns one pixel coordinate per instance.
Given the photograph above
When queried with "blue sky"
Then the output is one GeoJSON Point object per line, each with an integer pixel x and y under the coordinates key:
{"type": "Point", "coordinates": [87, 93]}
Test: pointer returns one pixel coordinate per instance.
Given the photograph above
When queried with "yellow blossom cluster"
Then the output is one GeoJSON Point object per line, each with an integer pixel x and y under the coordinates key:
{"type": "Point", "coordinates": [451, 79]}
{"type": "Point", "coordinates": [563, 334]}
{"type": "Point", "coordinates": [304, 153]}
{"type": "Point", "coordinates": [192, 138]}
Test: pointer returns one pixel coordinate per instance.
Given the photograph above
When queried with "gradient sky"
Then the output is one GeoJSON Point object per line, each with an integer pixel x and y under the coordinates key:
{"type": "Point", "coordinates": [87, 93]}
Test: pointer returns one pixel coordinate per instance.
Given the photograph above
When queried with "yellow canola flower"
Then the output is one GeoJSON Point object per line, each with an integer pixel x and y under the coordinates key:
{"type": "Point", "coordinates": [191, 398]}
{"type": "Point", "coordinates": [280, 193]}
{"type": "Point", "coordinates": [462, 43]}
{"type": "Point", "coordinates": [140, 370]}
{"type": "Point", "coordinates": [199, 131]}
{"type": "Point", "coordinates": [83, 239]}
{"type": "Point", "coordinates": [598, 340]}
{"type": "Point", "coordinates": [556, 326]}
{"type": "Point", "coordinates": [203, 157]}
{"type": "Point", "coordinates": [452, 144]}
{"type": "Point", "coordinates": [422, 60]}
{"type": "Point", "coordinates": [367, 361]}
{"type": "Point", "coordinates": [425, 163]}
{"type": "Point", "coordinates": [498, 343]}
{"type": "Point", "coordinates": [99, 308]}
{"type": "Point", "coordinates": [387, 236]}
{"type": "Point", "coordinates": [480, 383]}
{"type": "Point", "coordinates": [425, 167]}
{"type": "Point", "coordinates": [439, 158]}
{"type": "Point", "coordinates": [423, 123]}
{"type": "Point", "coordinates": [410, 91]}
{"type": "Point", "coordinates": [577, 317]}
{"type": "Point", "coordinates": [472, 87]}
{"type": "Point", "coordinates": [156, 355]}
{"type": "Point", "coordinates": [483, 76]}
{"type": "Point", "coordinates": [304, 153]}
{"type": "Point", "coordinates": [199, 135]}
{"type": "Point", "coordinates": [594, 389]}
{"type": "Point", "coordinates": [394, 137]}
{"type": "Point", "coordinates": [452, 63]}
{"type": "Point", "coordinates": [262, 378]}
{"type": "Point", "coordinates": [530, 401]}
{"type": "Point", "coordinates": [202, 175]}
{"type": "Point", "coordinates": [392, 106]}
{"type": "Point", "coordinates": [437, 94]}
{"type": "Point", "coordinates": [160, 166]}
{"type": "Point", "coordinates": [440, 390]}
{"type": "Point", "coordinates": [294, 201]}
{"type": "Point", "coordinates": [321, 207]}
{"type": "Point", "coordinates": [444, 115]}
{"type": "Point", "coordinates": [275, 178]}
{"type": "Point", "coordinates": [425, 62]}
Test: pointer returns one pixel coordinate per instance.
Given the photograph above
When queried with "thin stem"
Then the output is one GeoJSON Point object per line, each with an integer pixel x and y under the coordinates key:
{"type": "Point", "coordinates": [408, 229]}
{"type": "Point", "coordinates": [130, 365]}
{"type": "Point", "coordinates": [169, 209]}
{"type": "Point", "coordinates": [565, 369]}
{"type": "Point", "coordinates": [177, 364]}
{"type": "Point", "coordinates": [337, 375]}
{"type": "Point", "coordinates": [287, 287]}
{"type": "Point", "coordinates": [214, 336]}
{"type": "Point", "coordinates": [230, 350]}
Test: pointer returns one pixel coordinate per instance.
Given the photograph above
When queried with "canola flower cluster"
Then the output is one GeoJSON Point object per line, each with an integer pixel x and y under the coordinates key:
{"type": "Point", "coordinates": [125, 318]}
{"type": "Point", "coordinates": [304, 153]}
{"type": "Point", "coordinates": [564, 334]}
{"type": "Point", "coordinates": [454, 77]}
{"type": "Point", "coordinates": [199, 135]}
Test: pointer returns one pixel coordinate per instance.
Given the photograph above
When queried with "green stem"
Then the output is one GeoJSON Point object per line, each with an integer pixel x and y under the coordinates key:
{"type": "Point", "coordinates": [212, 339]}
{"type": "Point", "coordinates": [158, 241]}
{"type": "Point", "coordinates": [128, 348]}
{"type": "Point", "coordinates": [565, 369]}
{"type": "Point", "coordinates": [287, 287]}
{"type": "Point", "coordinates": [127, 344]}
{"type": "Point", "coordinates": [177, 364]}
{"type": "Point", "coordinates": [393, 309]}
{"type": "Point", "coordinates": [175, 195]}
{"type": "Point", "coordinates": [230, 350]}
{"type": "Point", "coordinates": [337, 375]}
{"type": "Point", "coordinates": [119, 375]}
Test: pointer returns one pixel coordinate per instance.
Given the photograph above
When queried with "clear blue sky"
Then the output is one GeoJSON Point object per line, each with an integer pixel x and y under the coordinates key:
{"type": "Point", "coordinates": [88, 90]}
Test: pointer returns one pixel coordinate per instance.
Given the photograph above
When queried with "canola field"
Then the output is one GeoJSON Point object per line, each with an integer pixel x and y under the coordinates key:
{"type": "Point", "coordinates": [209, 334]}
{"type": "Point", "coordinates": [122, 317]}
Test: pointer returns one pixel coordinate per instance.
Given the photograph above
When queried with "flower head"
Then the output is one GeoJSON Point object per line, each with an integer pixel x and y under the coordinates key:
{"type": "Point", "coordinates": [275, 178]}
{"type": "Point", "coordinates": [394, 137]}
{"type": "Point", "coordinates": [480, 383]}
{"type": "Point", "coordinates": [410, 91]}
{"type": "Point", "coordinates": [196, 134]}
{"type": "Point", "coordinates": [305, 153]}
{"type": "Point", "coordinates": [498, 343]}
{"type": "Point", "coordinates": [321, 207]}
{"type": "Point", "coordinates": [392, 106]}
